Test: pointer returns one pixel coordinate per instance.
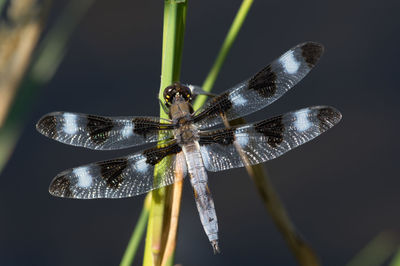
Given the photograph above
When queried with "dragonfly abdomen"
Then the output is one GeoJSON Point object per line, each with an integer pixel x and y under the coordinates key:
{"type": "Point", "coordinates": [202, 193]}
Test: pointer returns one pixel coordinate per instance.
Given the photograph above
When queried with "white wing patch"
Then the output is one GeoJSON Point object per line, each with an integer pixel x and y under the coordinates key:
{"type": "Point", "coordinates": [141, 166]}
{"type": "Point", "coordinates": [84, 178]}
{"type": "Point", "coordinates": [127, 131]}
{"type": "Point", "coordinates": [242, 139]}
{"type": "Point", "coordinates": [70, 125]}
{"type": "Point", "coordinates": [302, 122]}
{"type": "Point", "coordinates": [289, 63]}
{"type": "Point", "coordinates": [238, 100]}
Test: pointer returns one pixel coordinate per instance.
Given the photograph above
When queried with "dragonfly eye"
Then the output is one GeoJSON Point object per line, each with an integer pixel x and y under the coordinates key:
{"type": "Point", "coordinates": [175, 89]}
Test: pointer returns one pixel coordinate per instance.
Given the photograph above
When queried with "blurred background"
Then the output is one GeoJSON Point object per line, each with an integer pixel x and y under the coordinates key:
{"type": "Point", "coordinates": [341, 190]}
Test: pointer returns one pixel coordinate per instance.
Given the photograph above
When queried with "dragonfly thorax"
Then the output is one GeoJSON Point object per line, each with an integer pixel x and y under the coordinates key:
{"type": "Point", "coordinates": [185, 132]}
{"type": "Point", "coordinates": [180, 112]}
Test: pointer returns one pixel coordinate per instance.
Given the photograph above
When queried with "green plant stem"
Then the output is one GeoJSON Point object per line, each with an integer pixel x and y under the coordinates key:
{"type": "Point", "coordinates": [223, 52]}
{"type": "Point", "coordinates": [301, 250]}
{"type": "Point", "coordinates": [137, 235]}
{"type": "Point", "coordinates": [173, 33]}
{"type": "Point", "coordinates": [172, 49]}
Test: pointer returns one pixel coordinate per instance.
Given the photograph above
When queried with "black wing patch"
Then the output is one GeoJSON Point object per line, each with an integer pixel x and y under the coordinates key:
{"type": "Point", "coordinates": [264, 82]}
{"type": "Point", "coordinates": [103, 133]}
{"type": "Point", "coordinates": [156, 154]}
{"type": "Point", "coordinates": [272, 128]}
{"type": "Point", "coordinates": [99, 128]}
{"type": "Point", "coordinates": [216, 106]}
{"type": "Point", "coordinates": [263, 88]}
{"type": "Point", "coordinates": [112, 171]}
{"type": "Point", "coordinates": [222, 137]}
{"type": "Point", "coordinates": [265, 140]}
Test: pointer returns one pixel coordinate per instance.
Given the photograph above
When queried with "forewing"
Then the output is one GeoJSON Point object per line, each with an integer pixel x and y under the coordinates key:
{"type": "Point", "coordinates": [103, 133]}
{"type": "Point", "coordinates": [122, 177]}
{"type": "Point", "coordinates": [264, 140]}
{"type": "Point", "coordinates": [263, 88]}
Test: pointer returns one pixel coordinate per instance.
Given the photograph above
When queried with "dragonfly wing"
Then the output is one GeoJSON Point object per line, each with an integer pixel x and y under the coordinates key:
{"type": "Point", "coordinates": [263, 88]}
{"type": "Point", "coordinates": [122, 177]}
{"type": "Point", "coordinates": [264, 140]}
{"type": "Point", "coordinates": [103, 133]}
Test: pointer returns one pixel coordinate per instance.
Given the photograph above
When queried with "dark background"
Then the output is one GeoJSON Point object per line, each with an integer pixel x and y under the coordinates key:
{"type": "Point", "coordinates": [341, 189]}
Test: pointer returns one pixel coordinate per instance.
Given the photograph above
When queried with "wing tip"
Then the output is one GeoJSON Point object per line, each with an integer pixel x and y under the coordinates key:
{"type": "Point", "coordinates": [311, 52]}
{"type": "Point", "coordinates": [60, 187]}
{"type": "Point", "coordinates": [47, 125]}
{"type": "Point", "coordinates": [329, 116]}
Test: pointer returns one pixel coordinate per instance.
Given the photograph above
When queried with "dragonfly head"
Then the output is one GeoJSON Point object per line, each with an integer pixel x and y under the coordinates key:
{"type": "Point", "coordinates": [177, 91]}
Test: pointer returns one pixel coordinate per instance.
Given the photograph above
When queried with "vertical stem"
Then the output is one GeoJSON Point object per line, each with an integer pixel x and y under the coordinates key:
{"type": "Point", "coordinates": [137, 235]}
{"type": "Point", "coordinates": [158, 228]}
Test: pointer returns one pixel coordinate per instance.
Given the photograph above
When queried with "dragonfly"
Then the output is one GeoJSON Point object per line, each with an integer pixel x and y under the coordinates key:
{"type": "Point", "coordinates": [191, 141]}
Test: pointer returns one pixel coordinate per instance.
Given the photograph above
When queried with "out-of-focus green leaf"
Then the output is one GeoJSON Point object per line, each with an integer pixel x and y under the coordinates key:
{"type": "Point", "coordinates": [377, 251]}
{"type": "Point", "coordinates": [44, 64]}
{"type": "Point", "coordinates": [2, 2]}
{"type": "Point", "coordinates": [396, 259]}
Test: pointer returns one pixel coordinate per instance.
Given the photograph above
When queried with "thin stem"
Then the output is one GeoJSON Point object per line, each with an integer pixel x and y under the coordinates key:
{"type": "Point", "coordinates": [137, 235]}
{"type": "Point", "coordinates": [173, 207]}
{"type": "Point", "coordinates": [174, 27]}
{"type": "Point", "coordinates": [223, 52]}
{"type": "Point", "coordinates": [302, 252]}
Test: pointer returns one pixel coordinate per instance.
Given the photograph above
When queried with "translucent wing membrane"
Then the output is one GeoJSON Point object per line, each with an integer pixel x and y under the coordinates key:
{"type": "Point", "coordinates": [263, 88]}
{"type": "Point", "coordinates": [265, 140]}
{"type": "Point", "coordinates": [103, 133]}
{"type": "Point", "coordinates": [122, 177]}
